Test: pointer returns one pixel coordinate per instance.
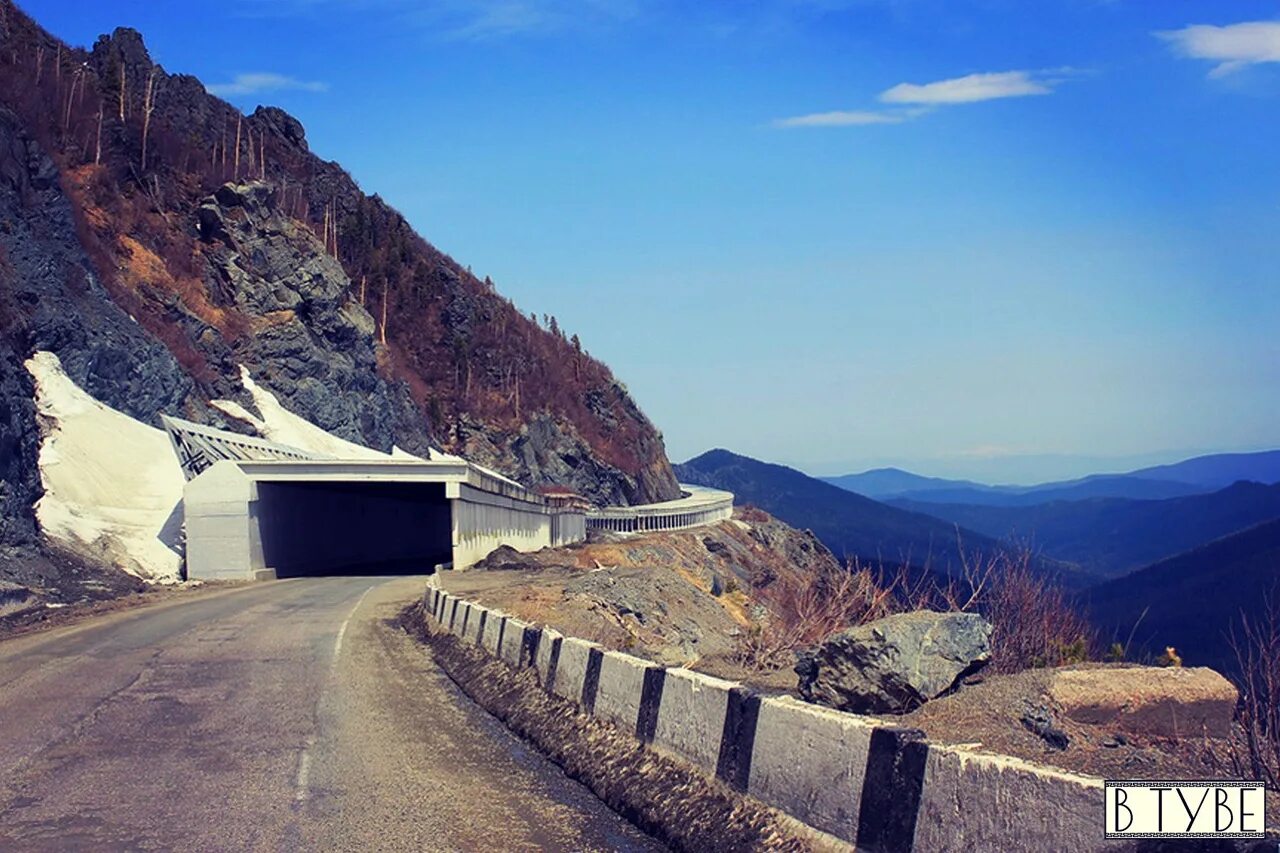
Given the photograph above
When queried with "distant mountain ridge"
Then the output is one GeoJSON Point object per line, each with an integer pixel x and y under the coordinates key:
{"type": "Point", "coordinates": [1191, 600]}
{"type": "Point", "coordinates": [849, 524]}
{"type": "Point", "coordinates": [1111, 536]}
{"type": "Point", "coordinates": [1196, 475]}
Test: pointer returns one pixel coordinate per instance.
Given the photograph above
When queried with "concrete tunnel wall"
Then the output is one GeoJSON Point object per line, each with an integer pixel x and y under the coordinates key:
{"type": "Point", "coordinates": [246, 520]}
{"type": "Point", "coordinates": [324, 527]}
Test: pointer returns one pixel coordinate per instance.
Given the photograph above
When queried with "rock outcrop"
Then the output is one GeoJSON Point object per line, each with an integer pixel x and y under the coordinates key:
{"type": "Point", "coordinates": [312, 342]}
{"type": "Point", "coordinates": [895, 664]}
{"type": "Point", "coordinates": [1161, 701]}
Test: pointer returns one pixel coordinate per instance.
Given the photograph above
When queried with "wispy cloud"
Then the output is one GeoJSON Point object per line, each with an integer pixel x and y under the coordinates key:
{"type": "Point", "coordinates": [913, 100]}
{"type": "Point", "coordinates": [1232, 47]}
{"type": "Point", "coordinates": [841, 118]}
{"type": "Point", "coordinates": [255, 82]}
{"type": "Point", "coordinates": [970, 88]}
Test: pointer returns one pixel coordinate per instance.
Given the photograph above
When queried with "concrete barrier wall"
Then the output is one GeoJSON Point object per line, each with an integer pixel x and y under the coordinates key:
{"type": "Point", "coordinates": [877, 786]}
{"type": "Point", "coordinates": [573, 668]}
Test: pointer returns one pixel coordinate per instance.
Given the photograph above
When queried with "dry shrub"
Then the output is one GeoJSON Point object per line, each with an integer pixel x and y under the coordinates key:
{"type": "Point", "coordinates": [1034, 622]}
{"type": "Point", "coordinates": [1255, 753]}
{"type": "Point", "coordinates": [806, 608]}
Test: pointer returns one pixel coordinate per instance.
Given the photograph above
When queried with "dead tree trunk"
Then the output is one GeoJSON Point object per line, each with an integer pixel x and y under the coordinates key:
{"type": "Point", "coordinates": [148, 106]}
{"type": "Point", "coordinates": [386, 290]}
{"type": "Point", "coordinates": [236, 173]}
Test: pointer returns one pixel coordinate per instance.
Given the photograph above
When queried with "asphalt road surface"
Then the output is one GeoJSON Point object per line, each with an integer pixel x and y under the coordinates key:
{"type": "Point", "coordinates": [280, 716]}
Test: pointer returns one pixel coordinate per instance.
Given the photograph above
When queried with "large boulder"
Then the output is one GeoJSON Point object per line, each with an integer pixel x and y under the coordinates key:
{"type": "Point", "coordinates": [896, 664]}
{"type": "Point", "coordinates": [1161, 702]}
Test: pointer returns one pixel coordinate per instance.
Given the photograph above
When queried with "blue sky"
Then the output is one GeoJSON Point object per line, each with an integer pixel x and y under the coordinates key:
{"type": "Point", "coordinates": [990, 238]}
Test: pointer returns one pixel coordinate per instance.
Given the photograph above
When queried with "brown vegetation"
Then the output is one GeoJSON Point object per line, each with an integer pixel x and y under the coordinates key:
{"type": "Point", "coordinates": [1255, 754]}
{"type": "Point", "coordinates": [1034, 622]}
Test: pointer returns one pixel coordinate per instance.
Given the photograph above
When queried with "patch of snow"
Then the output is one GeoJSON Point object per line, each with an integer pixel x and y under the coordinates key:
{"type": "Point", "coordinates": [282, 426]}
{"type": "Point", "coordinates": [112, 488]}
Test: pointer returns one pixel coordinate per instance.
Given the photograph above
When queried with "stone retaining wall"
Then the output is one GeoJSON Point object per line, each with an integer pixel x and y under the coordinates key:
{"type": "Point", "coordinates": [876, 786]}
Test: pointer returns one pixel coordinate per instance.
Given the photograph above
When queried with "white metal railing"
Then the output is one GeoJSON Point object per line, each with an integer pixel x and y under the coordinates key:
{"type": "Point", "coordinates": [697, 507]}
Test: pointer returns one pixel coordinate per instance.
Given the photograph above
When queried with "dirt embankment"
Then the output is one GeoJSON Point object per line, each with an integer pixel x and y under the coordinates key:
{"type": "Point", "coordinates": [679, 598]}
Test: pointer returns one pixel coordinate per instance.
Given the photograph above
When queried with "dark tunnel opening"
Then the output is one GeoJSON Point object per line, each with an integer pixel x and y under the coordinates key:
{"type": "Point", "coordinates": [327, 528]}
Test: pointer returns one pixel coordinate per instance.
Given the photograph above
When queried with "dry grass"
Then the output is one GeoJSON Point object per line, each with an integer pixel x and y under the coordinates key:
{"type": "Point", "coordinates": [805, 609]}
{"type": "Point", "coordinates": [1255, 754]}
{"type": "Point", "coordinates": [1034, 623]}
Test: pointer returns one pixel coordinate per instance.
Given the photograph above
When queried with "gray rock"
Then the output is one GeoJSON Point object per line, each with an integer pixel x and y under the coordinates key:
{"type": "Point", "coordinates": [1038, 719]}
{"type": "Point", "coordinates": [896, 664]}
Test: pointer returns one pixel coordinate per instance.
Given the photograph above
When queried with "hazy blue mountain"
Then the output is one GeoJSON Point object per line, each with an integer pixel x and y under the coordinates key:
{"type": "Point", "coordinates": [851, 525]}
{"type": "Point", "coordinates": [1219, 470]}
{"type": "Point", "coordinates": [1191, 600]}
{"type": "Point", "coordinates": [887, 482]}
{"type": "Point", "coordinates": [1112, 536]}
{"type": "Point", "coordinates": [1102, 487]}
{"type": "Point", "coordinates": [1197, 475]}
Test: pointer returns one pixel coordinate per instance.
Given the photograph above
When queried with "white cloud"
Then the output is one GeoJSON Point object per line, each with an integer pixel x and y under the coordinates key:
{"type": "Point", "coordinates": [841, 118]}
{"type": "Point", "coordinates": [912, 100]}
{"type": "Point", "coordinates": [1232, 47]}
{"type": "Point", "coordinates": [263, 81]}
{"type": "Point", "coordinates": [970, 89]}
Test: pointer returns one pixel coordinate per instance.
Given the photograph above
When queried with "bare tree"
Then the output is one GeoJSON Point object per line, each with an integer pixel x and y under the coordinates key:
{"type": "Point", "coordinates": [1256, 644]}
{"type": "Point", "coordinates": [76, 78]}
{"type": "Point", "coordinates": [97, 148]}
{"type": "Point", "coordinates": [236, 173]}
{"type": "Point", "coordinates": [148, 106]}
{"type": "Point", "coordinates": [122, 97]}
{"type": "Point", "coordinates": [386, 290]}
{"type": "Point", "coordinates": [804, 608]}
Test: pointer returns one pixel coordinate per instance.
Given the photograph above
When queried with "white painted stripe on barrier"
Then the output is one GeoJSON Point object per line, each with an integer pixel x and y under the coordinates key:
{"type": "Point", "coordinates": [978, 801]}
{"type": "Point", "coordinates": [480, 617]}
{"type": "Point", "coordinates": [810, 761]}
{"type": "Point", "coordinates": [548, 653]}
{"type": "Point", "coordinates": [462, 620]}
{"type": "Point", "coordinates": [691, 717]}
{"type": "Point", "coordinates": [492, 630]}
{"type": "Point", "coordinates": [571, 670]}
{"type": "Point", "coordinates": [621, 685]}
{"type": "Point", "coordinates": [512, 638]}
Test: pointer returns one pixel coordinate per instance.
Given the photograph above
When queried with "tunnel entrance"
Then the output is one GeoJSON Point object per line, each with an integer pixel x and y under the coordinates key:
{"type": "Point", "coordinates": [353, 528]}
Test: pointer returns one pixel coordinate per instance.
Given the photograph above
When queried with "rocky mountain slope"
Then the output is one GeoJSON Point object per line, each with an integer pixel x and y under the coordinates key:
{"type": "Point", "coordinates": [166, 248]}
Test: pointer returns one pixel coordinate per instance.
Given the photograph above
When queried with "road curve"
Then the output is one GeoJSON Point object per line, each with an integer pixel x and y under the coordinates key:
{"type": "Point", "coordinates": [288, 715]}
